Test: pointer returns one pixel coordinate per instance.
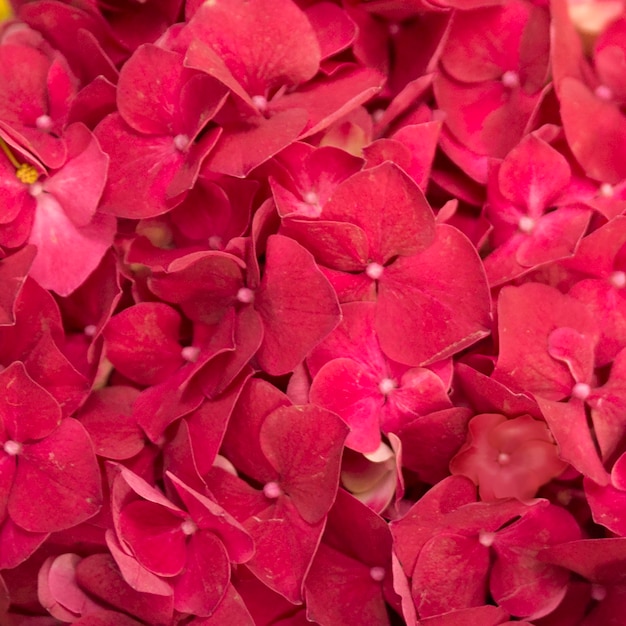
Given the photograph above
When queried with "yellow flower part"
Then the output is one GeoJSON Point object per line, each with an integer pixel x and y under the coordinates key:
{"type": "Point", "coordinates": [5, 10]}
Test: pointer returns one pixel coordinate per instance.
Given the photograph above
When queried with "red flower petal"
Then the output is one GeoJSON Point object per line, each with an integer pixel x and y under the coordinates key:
{"type": "Point", "coordinates": [57, 483]}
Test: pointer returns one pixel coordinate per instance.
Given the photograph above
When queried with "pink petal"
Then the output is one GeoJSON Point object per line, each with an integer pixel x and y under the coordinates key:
{"type": "Point", "coordinates": [304, 445]}
{"type": "Point", "coordinates": [78, 185]}
{"type": "Point", "coordinates": [57, 484]}
{"type": "Point", "coordinates": [421, 316]}
{"type": "Point", "coordinates": [595, 131]}
{"type": "Point", "coordinates": [297, 304]}
{"type": "Point", "coordinates": [155, 536]}
{"type": "Point", "coordinates": [265, 43]}
{"type": "Point", "coordinates": [28, 411]}
{"type": "Point", "coordinates": [99, 576]}
{"type": "Point", "coordinates": [204, 581]}
{"type": "Point", "coordinates": [66, 253]}
{"type": "Point", "coordinates": [347, 388]}
{"type": "Point", "coordinates": [107, 417]}
{"type": "Point", "coordinates": [142, 342]}
{"type": "Point", "coordinates": [450, 573]}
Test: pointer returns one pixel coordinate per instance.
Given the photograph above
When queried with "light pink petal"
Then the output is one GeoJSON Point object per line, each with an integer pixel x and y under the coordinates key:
{"type": "Point", "coordinates": [66, 254]}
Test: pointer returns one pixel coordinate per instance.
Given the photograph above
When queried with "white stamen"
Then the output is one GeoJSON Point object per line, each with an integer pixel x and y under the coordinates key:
{"type": "Point", "coordinates": [44, 122]}
{"type": "Point", "coordinates": [190, 353]}
{"type": "Point", "coordinates": [510, 79]}
{"type": "Point", "coordinates": [35, 189]}
{"type": "Point", "coordinates": [486, 538]}
{"type": "Point", "coordinates": [90, 330]}
{"type": "Point", "coordinates": [374, 270]}
{"type": "Point", "coordinates": [598, 592]}
{"type": "Point", "coordinates": [310, 197]}
{"type": "Point", "coordinates": [272, 490]}
{"type": "Point", "coordinates": [245, 295]}
{"type": "Point", "coordinates": [581, 391]}
{"type": "Point", "coordinates": [260, 102]}
{"type": "Point", "coordinates": [504, 458]}
{"type": "Point", "coordinates": [526, 224]}
{"type": "Point", "coordinates": [618, 279]}
{"type": "Point", "coordinates": [386, 386]}
{"type": "Point", "coordinates": [12, 448]}
{"type": "Point", "coordinates": [181, 142]}
{"type": "Point", "coordinates": [604, 93]}
{"type": "Point", "coordinates": [606, 190]}
{"type": "Point", "coordinates": [189, 527]}
{"type": "Point", "coordinates": [377, 573]}
{"type": "Point", "coordinates": [216, 242]}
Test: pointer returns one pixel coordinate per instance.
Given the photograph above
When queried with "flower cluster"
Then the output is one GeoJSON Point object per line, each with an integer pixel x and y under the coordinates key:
{"type": "Point", "coordinates": [313, 311]}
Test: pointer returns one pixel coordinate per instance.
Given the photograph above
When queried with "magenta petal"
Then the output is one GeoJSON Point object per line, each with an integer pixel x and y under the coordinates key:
{"type": "Point", "coordinates": [265, 43]}
{"type": "Point", "coordinates": [285, 548]}
{"type": "Point", "coordinates": [98, 575]}
{"type": "Point", "coordinates": [67, 254]}
{"type": "Point", "coordinates": [210, 517]}
{"type": "Point", "coordinates": [389, 207]}
{"type": "Point", "coordinates": [304, 444]}
{"type": "Point", "coordinates": [568, 424]}
{"type": "Point", "coordinates": [16, 544]}
{"type": "Point", "coordinates": [595, 131]}
{"type": "Point", "coordinates": [433, 304]}
{"type": "Point", "coordinates": [533, 174]}
{"type": "Point", "coordinates": [78, 185]}
{"type": "Point", "coordinates": [450, 573]}
{"type": "Point", "coordinates": [340, 590]}
{"type": "Point", "coordinates": [142, 342]}
{"type": "Point", "coordinates": [519, 582]}
{"type": "Point", "coordinates": [348, 389]}
{"type": "Point", "coordinates": [63, 587]}
{"type": "Point", "coordinates": [13, 272]}
{"type": "Point", "coordinates": [141, 169]}
{"type": "Point", "coordinates": [27, 410]}
{"type": "Point", "coordinates": [202, 584]}
{"type": "Point", "coordinates": [135, 574]}
{"type": "Point", "coordinates": [607, 506]}
{"type": "Point", "coordinates": [248, 143]}
{"type": "Point", "coordinates": [297, 304]}
{"type": "Point", "coordinates": [57, 484]}
{"type": "Point", "coordinates": [155, 535]}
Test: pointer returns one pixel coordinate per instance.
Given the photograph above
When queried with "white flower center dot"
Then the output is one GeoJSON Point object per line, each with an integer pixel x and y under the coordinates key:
{"type": "Point", "coordinates": [35, 189]}
{"type": "Point", "coordinates": [598, 592]}
{"type": "Point", "coordinates": [272, 490]}
{"type": "Point", "coordinates": [216, 242]}
{"type": "Point", "coordinates": [310, 197]}
{"type": "Point", "coordinates": [260, 102]}
{"type": "Point", "coordinates": [190, 353]}
{"type": "Point", "coordinates": [606, 190]}
{"type": "Point", "coordinates": [44, 122]}
{"type": "Point", "coordinates": [618, 279]}
{"type": "Point", "coordinates": [188, 527]}
{"type": "Point", "coordinates": [510, 79]}
{"type": "Point", "coordinates": [603, 92]}
{"type": "Point", "coordinates": [12, 448]}
{"type": "Point", "coordinates": [90, 330]}
{"type": "Point", "coordinates": [526, 224]}
{"type": "Point", "coordinates": [374, 270]}
{"type": "Point", "coordinates": [581, 390]}
{"type": "Point", "coordinates": [181, 142]}
{"type": "Point", "coordinates": [504, 458]}
{"type": "Point", "coordinates": [386, 385]}
{"type": "Point", "coordinates": [377, 573]}
{"type": "Point", "coordinates": [486, 538]}
{"type": "Point", "coordinates": [245, 295]}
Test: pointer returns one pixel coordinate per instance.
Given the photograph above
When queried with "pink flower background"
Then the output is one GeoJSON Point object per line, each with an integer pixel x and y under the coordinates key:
{"type": "Point", "coordinates": [313, 312]}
